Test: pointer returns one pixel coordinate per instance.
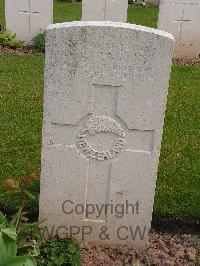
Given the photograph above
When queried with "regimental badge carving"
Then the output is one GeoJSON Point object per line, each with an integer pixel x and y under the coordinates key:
{"type": "Point", "coordinates": [96, 125]}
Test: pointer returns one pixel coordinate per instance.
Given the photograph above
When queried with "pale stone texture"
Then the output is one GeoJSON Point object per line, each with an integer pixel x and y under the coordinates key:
{"type": "Point", "coordinates": [104, 10]}
{"type": "Point", "coordinates": [106, 87]}
{"type": "Point", "coordinates": [27, 18]}
{"type": "Point", "coordinates": [153, 2]}
{"type": "Point", "coordinates": [182, 19]}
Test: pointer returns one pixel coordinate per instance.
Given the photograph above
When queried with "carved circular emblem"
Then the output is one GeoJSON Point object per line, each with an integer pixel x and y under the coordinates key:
{"type": "Point", "coordinates": [101, 124]}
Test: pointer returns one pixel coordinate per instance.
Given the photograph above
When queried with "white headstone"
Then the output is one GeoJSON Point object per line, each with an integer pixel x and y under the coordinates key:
{"type": "Point", "coordinates": [106, 86]}
{"type": "Point", "coordinates": [153, 2]}
{"type": "Point", "coordinates": [27, 18]}
{"type": "Point", "coordinates": [104, 10]}
{"type": "Point", "coordinates": [182, 19]}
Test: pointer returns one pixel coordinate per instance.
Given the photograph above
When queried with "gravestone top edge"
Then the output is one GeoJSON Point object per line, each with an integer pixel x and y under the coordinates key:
{"type": "Point", "coordinates": [110, 24]}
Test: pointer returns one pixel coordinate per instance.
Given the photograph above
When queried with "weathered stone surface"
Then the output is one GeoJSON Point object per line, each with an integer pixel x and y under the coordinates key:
{"type": "Point", "coordinates": [104, 10]}
{"type": "Point", "coordinates": [181, 18]}
{"type": "Point", "coordinates": [153, 2]}
{"type": "Point", "coordinates": [105, 94]}
{"type": "Point", "coordinates": [27, 18]}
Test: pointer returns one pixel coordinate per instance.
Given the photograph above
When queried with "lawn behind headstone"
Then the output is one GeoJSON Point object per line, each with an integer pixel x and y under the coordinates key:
{"type": "Point", "coordinates": [21, 91]}
{"type": "Point", "coordinates": [2, 8]}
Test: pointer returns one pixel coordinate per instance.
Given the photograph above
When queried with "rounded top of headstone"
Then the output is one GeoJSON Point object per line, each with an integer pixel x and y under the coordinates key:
{"type": "Point", "coordinates": [110, 24]}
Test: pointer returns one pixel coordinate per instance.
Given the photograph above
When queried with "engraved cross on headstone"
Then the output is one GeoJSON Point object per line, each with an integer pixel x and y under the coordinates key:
{"type": "Point", "coordinates": [181, 21]}
{"type": "Point", "coordinates": [29, 13]}
{"type": "Point", "coordinates": [104, 11]}
{"type": "Point", "coordinates": [101, 138]}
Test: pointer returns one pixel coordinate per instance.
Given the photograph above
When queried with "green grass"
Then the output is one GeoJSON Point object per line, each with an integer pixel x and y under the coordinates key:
{"type": "Point", "coordinates": [66, 12]}
{"type": "Point", "coordinates": [2, 8]}
{"type": "Point", "coordinates": [21, 89]}
{"type": "Point", "coordinates": [145, 16]}
{"type": "Point", "coordinates": [178, 187]}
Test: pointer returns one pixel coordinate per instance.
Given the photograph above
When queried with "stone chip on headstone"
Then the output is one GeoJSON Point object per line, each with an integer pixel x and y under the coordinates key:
{"type": "Point", "coordinates": [106, 88]}
{"type": "Point", "coordinates": [27, 18]}
{"type": "Point", "coordinates": [182, 19]}
{"type": "Point", "coordinates": [104, 10]}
